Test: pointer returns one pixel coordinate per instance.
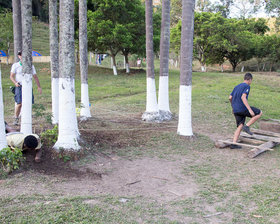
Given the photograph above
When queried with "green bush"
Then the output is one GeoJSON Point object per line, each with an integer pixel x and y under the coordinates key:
{"type": "Point", "coordinates": [10, 159]}
{"type": "Point", "coordinates": [50, 136]}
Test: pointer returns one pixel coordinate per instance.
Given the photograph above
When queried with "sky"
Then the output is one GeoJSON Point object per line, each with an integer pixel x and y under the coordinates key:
{"type": "Point", "coordinates": [241, 4]}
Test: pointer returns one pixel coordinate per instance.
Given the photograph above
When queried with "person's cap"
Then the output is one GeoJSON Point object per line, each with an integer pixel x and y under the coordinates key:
{"type": "Point", "coordinates": [19, 53]}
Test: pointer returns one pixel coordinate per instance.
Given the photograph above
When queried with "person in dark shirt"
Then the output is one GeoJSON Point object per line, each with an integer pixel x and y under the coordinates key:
{"type": "Point", "coordinates": [241, 108]}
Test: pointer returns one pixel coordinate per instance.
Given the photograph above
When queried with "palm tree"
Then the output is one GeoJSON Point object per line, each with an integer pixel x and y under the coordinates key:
{"type": "Point", "coordinates": [54, 52]}
{"type": "Point", "coordinates": [17, 28]}
{"type": "Point", "coordinates": [152, 112]}
{"type": "Point", "coordinates": [68, 127]}
{"type": "Point", "coordinates": [26, 120]}
{"type": "Point", "coordinates": [3, 141]}
{"type": "Point", "coordinates": [163, 93]}
{"type": "Point", "coordinates": [185, 117]}
{"type": "Point", "coordinates": [83, 46]}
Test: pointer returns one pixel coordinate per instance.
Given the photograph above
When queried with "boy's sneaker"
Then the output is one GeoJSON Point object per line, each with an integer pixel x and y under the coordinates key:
{"type": "Point", "coordinates": [233, 146]}
{"type": "Point", "coordinates": [16, 121]}
{"type": "Point", "coordinates": [247, 130]}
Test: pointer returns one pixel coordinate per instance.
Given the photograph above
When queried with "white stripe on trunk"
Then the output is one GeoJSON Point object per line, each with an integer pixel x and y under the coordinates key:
{"type": "Point", "coordinates": [55, 100]}
{"type": "Point", "coordinates": [3, 140]}
{"type": "Point", "coordinates": [26, 110]}
{"type": "Point", "coordinates": [85, 110]}
{"type": "Point", "coordinates": [185, 113]}
{"type": "Point", "coordinates": [67, 138]}
{"type": "Point", "coordinates": [127, 68]}
{"type": "Point", "coordinates": [163, 94]}
{"type": "Point", "coordinates": [115, 70]}
{"type": "Point", "coordinates": [151, 105]}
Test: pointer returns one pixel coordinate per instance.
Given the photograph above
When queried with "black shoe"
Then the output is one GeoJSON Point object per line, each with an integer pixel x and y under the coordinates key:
{"type": "Point", "coordinates": [233, 146]}
{"type": "Point", "coordinates": [247, 130]}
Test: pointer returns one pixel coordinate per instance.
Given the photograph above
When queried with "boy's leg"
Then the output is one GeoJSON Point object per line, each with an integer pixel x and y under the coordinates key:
{"type": "Point", "coordinates": [254, 119]}
{"type": "Point", "coordinates": [237, 133]}
{"type": "Point", "coordinates": [17, 109]}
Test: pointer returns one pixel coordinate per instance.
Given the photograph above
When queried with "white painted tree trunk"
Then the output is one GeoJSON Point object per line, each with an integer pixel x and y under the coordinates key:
{"type": "Point", "coordinates": [222, 68]}
{"type": "Point", "coordinates": [127, 68]}
{"type": "Point", "coordinates": [185, 97]}
{"type": "Point", "coordinates": [163, 94]}
{"type": "Point", "coordinates": [54, 53]}
{"type": "Point", "coordinates": [68, 127]}
{"type": "Point", "coordinates": [3, 141]}
{"type": "Point", "coordinates": [55, 100]}
{"type": "Point", "coordinates": [242, 69]}
{"type": "Point", "coordinates": [124, 62]}
{"type": "Point", "coordinates": [185, 111]}
{"type": "Point", "coordinates": [67, 138]}
{"type": "Point", "coordinates": [151, 97]}
{"type": "Point", "coordinates": [26, 110]}
{"type": "Point", "coordinates": [115, 70]}
{"type": "Point", "coordinates": [85, 109]}
{"type": "Point", "coordinates": [83, 46]}
{"type": "Point", "coordinates": [152, 111]}
{"type": "Point", "coordinates": [203, 68]}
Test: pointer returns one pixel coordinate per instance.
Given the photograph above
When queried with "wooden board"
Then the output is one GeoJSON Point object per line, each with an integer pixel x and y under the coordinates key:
{"type": "Point", "coordinates": [261, 141]}
{"type": "Point", "coordinates": [262, 132]}
{"type": "Point", "coordinates": [251, 141]}
{"type": "Point", "coordinates": [228, 143]}
{"type": "Point", "coordinates": [260, 137]}
{"type": "Point", "coordinates": [262, 148]}
{"type": "Point", "coordinates": [221, 144]}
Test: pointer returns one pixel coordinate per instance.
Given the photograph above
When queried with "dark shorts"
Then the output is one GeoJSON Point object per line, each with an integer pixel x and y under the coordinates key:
{"type": "Point", "coordinates": [241, 117]}
{"type": "Point", "coordinates": [18, 95]}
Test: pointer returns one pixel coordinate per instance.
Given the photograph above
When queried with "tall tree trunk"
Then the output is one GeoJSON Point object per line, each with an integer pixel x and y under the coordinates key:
{"type": "Point", "coordinates": [83, 46]}
{"type": "Point", "coordinates": [113, 55]}
{"type": "Point", "coordinates": [126, 63]}
{"type": "Point", "coordinates": [54, 52]}
{"type": "Point", "coordinates": [26, 120]}
{"type": "Point", "coordinates": [152, 111]}
{"type": "Point", "coordinates": [17, 28]}
{"type": "Point", "coordinates": [8, 52]}
{"type": "Point", "coordinates": [163, 93]}
{"type": "Point", "coordinates": [185, 115]}
{"type": "Point", "coordinates": [3, 141]}
{"type": "Point", "coordinates": [68, 127]}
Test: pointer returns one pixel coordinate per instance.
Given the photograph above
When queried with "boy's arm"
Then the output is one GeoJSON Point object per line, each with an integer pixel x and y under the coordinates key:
{"type": "Point", "coordinates": [13, 79]}
{"type": "Point", "coordinates": [38, 83]}
{"type": "Point", "coordinates": [245, 101]}
{"type": "Point", "coordinates": [230, 98]}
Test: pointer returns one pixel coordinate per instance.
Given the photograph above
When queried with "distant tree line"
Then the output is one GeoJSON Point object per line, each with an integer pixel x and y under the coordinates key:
{"type": "Point", "coordinates": [218, 39]}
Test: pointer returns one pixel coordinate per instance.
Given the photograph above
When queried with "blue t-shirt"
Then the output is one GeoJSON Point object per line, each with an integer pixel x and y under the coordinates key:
{"type": "Point", "coordinates": [237, 103]}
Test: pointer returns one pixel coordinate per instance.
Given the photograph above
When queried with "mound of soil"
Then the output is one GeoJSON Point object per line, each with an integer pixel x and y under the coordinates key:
{"type": "Point", "coordinates": [53, 164]}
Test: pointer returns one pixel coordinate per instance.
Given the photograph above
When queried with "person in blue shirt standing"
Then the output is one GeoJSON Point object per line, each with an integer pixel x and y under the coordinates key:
{"type": "Point", "coordinates": [241, 108]}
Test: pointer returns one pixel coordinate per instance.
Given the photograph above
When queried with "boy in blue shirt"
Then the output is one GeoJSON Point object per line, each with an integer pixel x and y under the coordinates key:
{"type": "Point", "coordinates": [241, 108]}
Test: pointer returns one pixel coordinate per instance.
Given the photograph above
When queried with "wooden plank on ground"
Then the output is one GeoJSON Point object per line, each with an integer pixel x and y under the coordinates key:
{"type": "Point", "coordinates": [262, 148]}
{"type": "Point", "coordinates": [262, 132]}
{"type": "Point", "coordinates": [260, 137]}
{"type": "Point", "coordinates": [221, 144]}
{"type": "Point", "coordinates": [251, 141]}
{"type": "Point", "coordinates": [238, 143]}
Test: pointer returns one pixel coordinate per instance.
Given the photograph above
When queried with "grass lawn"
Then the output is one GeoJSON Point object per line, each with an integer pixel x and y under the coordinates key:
{"type": "Point", "coordinates": [147, 173]}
